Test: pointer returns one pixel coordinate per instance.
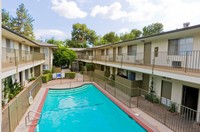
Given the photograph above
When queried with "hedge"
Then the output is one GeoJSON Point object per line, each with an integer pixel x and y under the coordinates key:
{"type": "Point", "coordinates": [46, 77]}
{"type": "Point", "coordinates": [70, 75]}
{"type": "Point", "coordinates": [50, 76]}
{"type": "Point", "coordinates": [89, 66]}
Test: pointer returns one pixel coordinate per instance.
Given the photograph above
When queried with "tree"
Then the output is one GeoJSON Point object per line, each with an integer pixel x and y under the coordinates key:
{"type": "Point", "coordinates": [74, 44]}
{"type": "Point", "coordinates": [22, 23]}
{"type": "Point", "coordinates": [132, 35]}
{"type": "Point", "coordinates": [53, 41]}
{"type": "Point", "coordinates": [153, 28]}
{"type": "Point", "coordinates": [6, 18]}
{"type": "Point", "coordinates": [111, 37]}
{"type": "Point", "coordinates": [81, 34]}
{"type": "Point", "coordinates": [63, 56]}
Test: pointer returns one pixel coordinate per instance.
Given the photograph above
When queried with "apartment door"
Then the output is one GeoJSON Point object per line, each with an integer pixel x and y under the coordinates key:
{"type": "Point", "coordinates": [147, 53]}
{"type": "Point", "coordinates": [145, 82]}
{"type": "Point", "coordinates": [190, 97]}
{"type": "Point", "coordinates": [114, 54]}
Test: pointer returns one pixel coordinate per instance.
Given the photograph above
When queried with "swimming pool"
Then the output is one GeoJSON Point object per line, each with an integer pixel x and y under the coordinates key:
{"type": "Point", "coordinates": [83, 109]}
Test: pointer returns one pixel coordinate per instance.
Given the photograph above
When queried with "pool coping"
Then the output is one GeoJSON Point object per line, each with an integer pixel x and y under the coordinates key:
{"type": "Point", "coordinates": [32, 127]}
{"type": "Point", "coordinates": [113, 99]}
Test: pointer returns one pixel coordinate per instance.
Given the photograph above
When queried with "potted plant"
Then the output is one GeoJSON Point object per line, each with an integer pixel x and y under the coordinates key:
{"type": "Point", "coordinates": [172, 108]}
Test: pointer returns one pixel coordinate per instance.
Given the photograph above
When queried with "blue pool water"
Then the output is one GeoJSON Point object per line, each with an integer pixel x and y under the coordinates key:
{"type": "Point", "coordinates": [83, 109]}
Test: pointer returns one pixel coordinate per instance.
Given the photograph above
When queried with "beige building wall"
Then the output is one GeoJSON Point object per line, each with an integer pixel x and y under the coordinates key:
{"type": "Point", "coordinates": [48, 57]}
{"type": "Point", "coordinates": [0, 77]}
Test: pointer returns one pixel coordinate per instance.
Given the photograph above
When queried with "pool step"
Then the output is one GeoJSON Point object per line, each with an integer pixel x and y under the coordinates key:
{"type": "Point", "coordinates": [68, 91]}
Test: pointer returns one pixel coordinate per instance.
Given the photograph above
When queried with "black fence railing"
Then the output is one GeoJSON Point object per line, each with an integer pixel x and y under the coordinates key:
{"type": "Point", "coordinates": [175, 116]}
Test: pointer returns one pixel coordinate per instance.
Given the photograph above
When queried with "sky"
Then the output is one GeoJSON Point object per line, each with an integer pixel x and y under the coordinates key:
{"type": "Point", "coordinates": [54, 18]}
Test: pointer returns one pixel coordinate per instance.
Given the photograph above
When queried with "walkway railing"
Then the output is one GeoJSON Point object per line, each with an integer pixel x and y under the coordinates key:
{"type": "Point", "coordinates": [16, 57]}
{"type": "Point", "coordinates": [187, 61]}
{"type": "Point", "coordinates": [177, 117]}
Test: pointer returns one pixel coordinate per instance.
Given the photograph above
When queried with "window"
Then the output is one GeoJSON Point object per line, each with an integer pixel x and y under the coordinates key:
{"type": "Point", "coordinates": [166, 89]}
{"type": "Point", "coordinates": [8, 45]}
{"type": "Point", "coordinates": [119, 50]}
{"type": "Point", "coordinates": [180, 46]}
{"type": "Point", "coordinates": [45, 67]}
{"type": "Point", "coordinates": [132, 50]}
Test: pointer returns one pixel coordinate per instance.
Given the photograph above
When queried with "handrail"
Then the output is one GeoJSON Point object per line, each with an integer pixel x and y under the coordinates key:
{"type": "Point", "coordinates": [34, 117]}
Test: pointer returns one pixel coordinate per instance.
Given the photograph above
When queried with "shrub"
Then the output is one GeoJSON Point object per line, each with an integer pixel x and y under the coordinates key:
{"type": "Point", "coordinates": [70, 75]}
{"type": "Point", "coordinates": [89, 66]}
{"type": "Point", "coordinates": [172, 108]}
{"type": "Point", "coordinates": [47, 71]}
{"type": "Point", "coordinates": [156, 100]}
{"type": "Point", "coordinates": [45, 78]}
{"type": "Point", "coordinates": [31, 79]}
{"type": "Point", "coordinates": [152, 98]}
{"type": "Point", "coordinates": [50, 76]}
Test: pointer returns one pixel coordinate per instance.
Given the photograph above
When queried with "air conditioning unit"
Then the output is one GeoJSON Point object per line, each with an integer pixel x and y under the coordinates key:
{"type": "Point", "coordinates": [176, 64]}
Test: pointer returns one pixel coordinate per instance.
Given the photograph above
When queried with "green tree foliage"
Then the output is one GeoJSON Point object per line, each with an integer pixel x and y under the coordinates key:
{"type": "Point", "coordinates": [153, 28]}
{"type": "Point", "coordinates": [82, 35]}
{"type": "Point", "coordinates": [22, 23]}
{"type": "Point", "coordinates": [6, 18]}
{"type": "Point", "coordinates": [132, 35]}
{"type": "Point", "coordinates": [111, 37]}
{"type": "Point", "coordinates": [75, 44]}
{"type": "Point", "coordinates": [63, 56]}
{"type": "Point", "coordinates": [53, 41]}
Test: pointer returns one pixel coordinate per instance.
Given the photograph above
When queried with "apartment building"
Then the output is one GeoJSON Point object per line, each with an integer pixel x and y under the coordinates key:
{"type": "Point", "coordinates": [47, 49]}
{"type": "Point", "coordinates": [172, 58]}
{"type": "Point", "coordinates": [22, 58]}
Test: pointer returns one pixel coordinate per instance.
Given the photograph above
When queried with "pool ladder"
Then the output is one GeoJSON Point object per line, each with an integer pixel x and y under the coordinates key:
{"type": "Point", "coordinates": [31, 116]}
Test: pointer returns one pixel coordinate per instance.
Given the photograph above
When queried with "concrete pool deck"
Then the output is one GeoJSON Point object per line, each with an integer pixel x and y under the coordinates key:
{"type": "Point", "coordinates": [67, 83]}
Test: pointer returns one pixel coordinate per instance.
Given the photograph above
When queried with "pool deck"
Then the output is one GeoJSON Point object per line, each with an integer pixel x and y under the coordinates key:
{"type": "Point", "coordinates": [66, 83]}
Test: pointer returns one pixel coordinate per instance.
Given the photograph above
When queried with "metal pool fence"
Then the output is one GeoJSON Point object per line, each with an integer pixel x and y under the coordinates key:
{"type": "Point", "coordinates": [175, 116]}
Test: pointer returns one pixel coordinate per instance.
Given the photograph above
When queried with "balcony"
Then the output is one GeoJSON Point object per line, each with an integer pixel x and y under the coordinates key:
{"type": "Point", "coordinates": [186, 63]}
{"type": "Point", "coordinates": [14, 58]}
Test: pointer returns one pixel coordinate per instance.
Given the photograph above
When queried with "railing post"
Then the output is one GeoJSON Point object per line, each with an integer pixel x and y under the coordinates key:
{"type": "Point", "coordinates": [15, 57]}
{"type": "Point", "coordinates": [186, 61]}
{"type": "Point", "coordinates": [121, 60]}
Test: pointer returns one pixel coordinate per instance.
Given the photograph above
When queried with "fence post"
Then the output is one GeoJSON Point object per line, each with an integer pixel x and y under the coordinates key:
{"type": "Point", "coordinates": [138, 98]}
{"type": "Point", "coordinates": [165, 117]}
{"type": "Point", "coordinates": [121, 60]}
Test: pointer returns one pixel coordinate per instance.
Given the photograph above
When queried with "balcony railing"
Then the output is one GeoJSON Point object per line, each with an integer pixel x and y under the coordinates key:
{"type": "Point", "coordinates": [15, 57]}
{"type": "Point", "coordinates": [188, 61]}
